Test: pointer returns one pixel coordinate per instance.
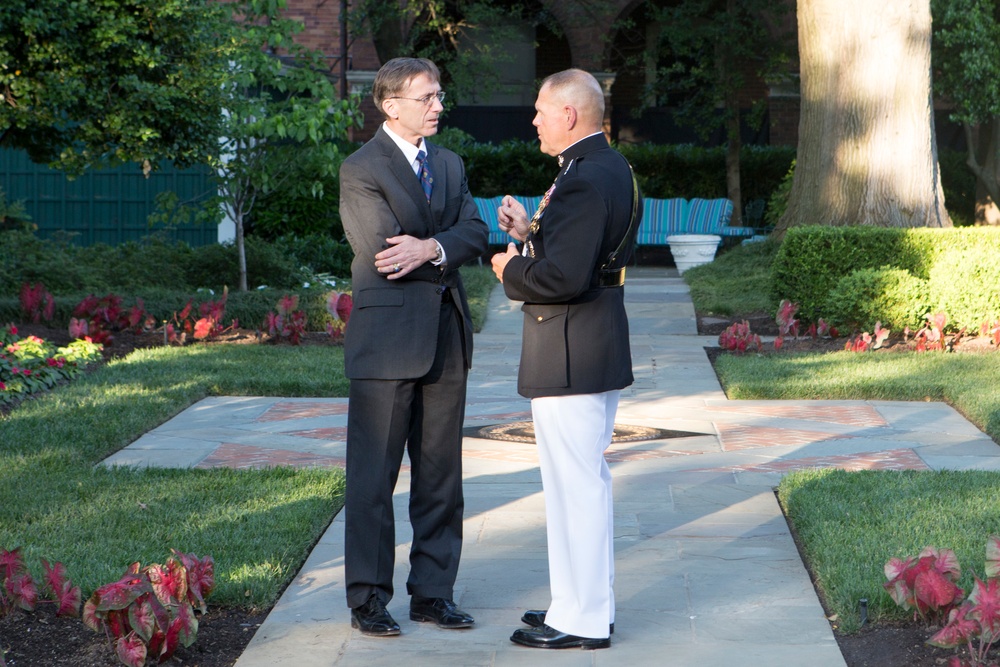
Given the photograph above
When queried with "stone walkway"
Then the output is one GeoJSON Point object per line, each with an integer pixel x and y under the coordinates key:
{"type": "Point", "coordinates": [707, 572]}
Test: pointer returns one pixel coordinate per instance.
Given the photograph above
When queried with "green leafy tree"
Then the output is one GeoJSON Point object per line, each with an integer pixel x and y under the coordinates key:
{"type": "Point", "coordinates": [706, 52]}
{"type": "Point", "coordinates": [966, 57]}
{"type": "Point", "coordinates": [279, 112]}
{"type": "Point", "coordinates": [87, 83]}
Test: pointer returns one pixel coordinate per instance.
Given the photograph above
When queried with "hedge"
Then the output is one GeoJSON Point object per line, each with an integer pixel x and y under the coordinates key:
{"type": "Point", "coordinates": [961, 267]}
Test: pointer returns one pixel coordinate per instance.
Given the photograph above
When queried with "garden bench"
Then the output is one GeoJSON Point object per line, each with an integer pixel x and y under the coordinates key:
{"type": "Point", "coordinates": [660, 218]}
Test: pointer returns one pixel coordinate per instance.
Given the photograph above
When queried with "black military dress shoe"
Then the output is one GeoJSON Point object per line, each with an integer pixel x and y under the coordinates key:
{"type": "Point", "coordinates": [373, 619]}
{"type": "Point", "coordinates": [548, 637]}
{"type": "Point", "coordinates": [536, 619]}
{"type": "Point", "coordinates": [442, 611]}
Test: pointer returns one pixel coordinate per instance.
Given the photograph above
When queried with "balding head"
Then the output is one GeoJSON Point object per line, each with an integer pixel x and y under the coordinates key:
{"type": "Point", "coordinates": [570, 106]}
{"type": "Point", "coordinates": [580, 90]}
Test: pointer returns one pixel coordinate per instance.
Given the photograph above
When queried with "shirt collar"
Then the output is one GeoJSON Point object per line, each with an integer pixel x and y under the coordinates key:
{"type": "Point", "coordinates": [409, 150]}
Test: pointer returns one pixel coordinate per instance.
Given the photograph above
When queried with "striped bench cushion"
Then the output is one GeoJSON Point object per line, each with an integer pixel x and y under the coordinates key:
{"type": "Point", "coordinates": [660, 218]}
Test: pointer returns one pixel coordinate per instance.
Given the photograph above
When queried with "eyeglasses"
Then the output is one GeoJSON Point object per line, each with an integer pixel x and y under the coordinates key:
{"type": "Point", "coordinates": [426, 100]}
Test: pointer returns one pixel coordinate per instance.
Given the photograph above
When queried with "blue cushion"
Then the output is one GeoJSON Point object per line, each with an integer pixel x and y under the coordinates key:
{"type": "Point", "coordinates": [709, 216]}
{"type": "Point", "coordinates": [488, 212]}
{"type": "Point", "coordinates": [660, 219]}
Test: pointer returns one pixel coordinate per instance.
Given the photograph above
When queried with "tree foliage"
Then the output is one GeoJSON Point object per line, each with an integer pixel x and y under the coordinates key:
{"type": "Point", "coordinates": [465, 38]}
{"type": "Point", "coordinates": [112, 80]}
{"type": "Point", "coordinates": [707, 51]}
{"type": "Point", "coordinates": [966, 58]}
{"type": "Point", "coordinates": [279, 112]}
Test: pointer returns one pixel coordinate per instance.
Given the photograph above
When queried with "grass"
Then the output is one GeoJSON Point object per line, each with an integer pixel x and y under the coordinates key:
{"type": "Point", "coordinates": [850, 523]}
{"type": "Point", "coordinates": [735, 283]}
{"type": "Point", "coordinates": [258, 525]}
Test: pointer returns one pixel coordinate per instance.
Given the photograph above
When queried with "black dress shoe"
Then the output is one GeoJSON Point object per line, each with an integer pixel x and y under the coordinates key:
{"type": "Point", "coordinates": [373, 619]}
{"type": "Point", "coordinates": [548, 637]}
{"type": "Point", "coordinates": [536, 619]}
{"type": "Point", "coordinates": [442, 611]}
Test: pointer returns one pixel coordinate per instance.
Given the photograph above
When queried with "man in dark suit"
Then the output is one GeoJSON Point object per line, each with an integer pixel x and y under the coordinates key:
{"type": "Point", "coordinates": [575, 356]}
{"type": "Point", "coordinates": [411, 222]}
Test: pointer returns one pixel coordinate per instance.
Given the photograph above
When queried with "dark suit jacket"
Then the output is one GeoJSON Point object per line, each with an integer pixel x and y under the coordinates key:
{"type": "Point", "coordinates": [394, 323]}
{"type": "Point", "coordinates": [575, 332]}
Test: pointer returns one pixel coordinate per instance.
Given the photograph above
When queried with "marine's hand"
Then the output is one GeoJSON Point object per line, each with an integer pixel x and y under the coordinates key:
{"type": "Point", "coordinates": [513, 218]}
{"type": "Point", "coordinates": [500, 260]}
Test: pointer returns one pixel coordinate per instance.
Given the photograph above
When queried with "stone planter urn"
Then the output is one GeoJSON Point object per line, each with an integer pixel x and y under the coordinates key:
{"type": "Point", "coordinates": [693, 249]}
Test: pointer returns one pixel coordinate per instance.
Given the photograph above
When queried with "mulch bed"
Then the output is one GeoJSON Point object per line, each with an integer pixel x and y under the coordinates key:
{"type": "Point", "coordinates": [40, 639]}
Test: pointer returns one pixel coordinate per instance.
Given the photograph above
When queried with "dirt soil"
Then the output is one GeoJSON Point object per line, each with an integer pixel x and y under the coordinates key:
{"type": "Point", "coordinates": [39, 639]}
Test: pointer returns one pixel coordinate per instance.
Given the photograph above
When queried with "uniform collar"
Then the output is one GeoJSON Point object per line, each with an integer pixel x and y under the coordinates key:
{"type": "Point", "coordinates": [589, 143]}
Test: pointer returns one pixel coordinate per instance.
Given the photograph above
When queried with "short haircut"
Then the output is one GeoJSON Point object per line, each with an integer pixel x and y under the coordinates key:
{"type": "Point", "coordinates": [393, 77]}
{"type": "Point", "coordinates": [580, 89]}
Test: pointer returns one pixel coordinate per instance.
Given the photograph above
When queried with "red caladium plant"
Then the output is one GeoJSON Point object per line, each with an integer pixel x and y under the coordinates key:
{"type": "Point", "coordinates": [785, 318]}
{"type": "Point", "coordinates": [738, 338]}
{"type": "Point", "coordinates": [19, 589]}
{"type": "Point", "coordinates": [288, 322]}
{"type": "Point", "coordinates": [150, 611]}
{"type": "Point", "coordinates": [975, 623]}
{"type": "Point", "coordinates": [926, 583]}
{"type": "Point", "coordinates": [977, 619]}
{"type": "Point", "coordinates": [183, 324]}
{"type": "Point", "coordinates": [339, 305]}
{"type": "Point", "coordinates": [37, 302]}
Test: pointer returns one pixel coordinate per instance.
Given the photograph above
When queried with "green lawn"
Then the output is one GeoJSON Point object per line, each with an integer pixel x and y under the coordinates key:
{"type": "Point", "coordinates": [259, 525]}
{"type": "Point", "coordinates": [850, 523]}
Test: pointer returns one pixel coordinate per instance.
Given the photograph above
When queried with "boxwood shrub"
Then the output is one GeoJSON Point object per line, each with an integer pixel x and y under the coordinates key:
{"type": "Point", "coordinates": [893, 297]}
{"type": "Point", "coordinates": [812, 260]}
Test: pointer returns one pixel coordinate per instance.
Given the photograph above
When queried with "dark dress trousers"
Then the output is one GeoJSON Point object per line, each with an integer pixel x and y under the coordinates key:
{"type": "Point", "coordinates": [407, 351]}
{"type": "Point", "coordinates": [575, 332]}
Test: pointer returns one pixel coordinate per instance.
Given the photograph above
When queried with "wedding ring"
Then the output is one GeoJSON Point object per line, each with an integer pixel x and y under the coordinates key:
{"type": "Point", "coordinates": [395, 268]}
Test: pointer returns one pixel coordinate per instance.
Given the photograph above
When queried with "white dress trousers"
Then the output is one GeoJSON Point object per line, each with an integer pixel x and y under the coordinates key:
{"type": "Point", "coordinates": [572, 433]}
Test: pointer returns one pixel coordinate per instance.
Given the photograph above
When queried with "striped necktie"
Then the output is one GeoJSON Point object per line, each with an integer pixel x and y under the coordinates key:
{"type": "Point", "coordinates": [425, 174]}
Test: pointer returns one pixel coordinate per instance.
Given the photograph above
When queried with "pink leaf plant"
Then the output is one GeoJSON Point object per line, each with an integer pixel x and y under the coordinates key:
{"type": "Point", "coordinates": [738, 338]}
{"type": "Point", "coordinates": [18, 588]}
{"type": "Point", "coordinates": [150, 612]}
{"type": "Point", "coordinates": [927, 584]}
{"type": "Point", "coordinates": [339, 306]}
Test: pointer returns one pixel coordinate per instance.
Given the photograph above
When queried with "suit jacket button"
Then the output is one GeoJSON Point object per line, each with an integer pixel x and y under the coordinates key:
{"type": "Point", "coordinates": [539, 318]}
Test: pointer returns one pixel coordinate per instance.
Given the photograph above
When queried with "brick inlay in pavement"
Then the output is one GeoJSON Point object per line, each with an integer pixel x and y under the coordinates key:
{"type": "Point", "coordinates": [855, 415]}
{"type": "Point", "coordinates": [231, 455]}
{"type": "Point", "coordinates": [302, 410]}
{"type": "Point", "coordinates": [893, 459]}
{"type": "Point", "coordinates": [338, 433]}
{"type": "Point", "coordinates": [735, 437]}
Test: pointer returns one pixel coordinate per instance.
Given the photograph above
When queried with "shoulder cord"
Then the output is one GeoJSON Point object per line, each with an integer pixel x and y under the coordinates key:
{"type": "Point", "coordinates": [629, 233]}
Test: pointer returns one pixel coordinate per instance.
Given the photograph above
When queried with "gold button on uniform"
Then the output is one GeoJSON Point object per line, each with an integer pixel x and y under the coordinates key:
{"type": "Point", "coordinates": [539, 318]}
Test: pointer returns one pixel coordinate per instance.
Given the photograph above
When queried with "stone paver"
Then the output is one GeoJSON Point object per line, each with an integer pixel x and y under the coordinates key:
{"type": "Point", "coordinates": [706, 570]}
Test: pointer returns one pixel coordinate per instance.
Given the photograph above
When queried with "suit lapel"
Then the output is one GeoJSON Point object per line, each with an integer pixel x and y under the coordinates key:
{"type": "Point", "coordinates": [402, 172]}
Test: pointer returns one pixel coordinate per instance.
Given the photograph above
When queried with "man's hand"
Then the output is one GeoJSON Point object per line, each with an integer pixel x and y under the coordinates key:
{"type": "Point", "coordinates": [500, 260]}
{"type": "Point", "coordinates": [404, 254]}
{"type": "Point", "coordinates": [513, 218]}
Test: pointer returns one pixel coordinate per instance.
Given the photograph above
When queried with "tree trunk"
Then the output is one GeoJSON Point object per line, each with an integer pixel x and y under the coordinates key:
{"type": "Point", "coordinates": [867, 152]}
{"type": "Point", "coordinates": [984, 161]}
{"type": "Point", "coordinates": [241, 253]}
{"type": "Point", "coordinates": [733, 145]}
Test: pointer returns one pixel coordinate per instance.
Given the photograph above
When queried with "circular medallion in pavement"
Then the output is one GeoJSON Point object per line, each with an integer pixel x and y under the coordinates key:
{"type": "Point", "coordinates": [524, 431]}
